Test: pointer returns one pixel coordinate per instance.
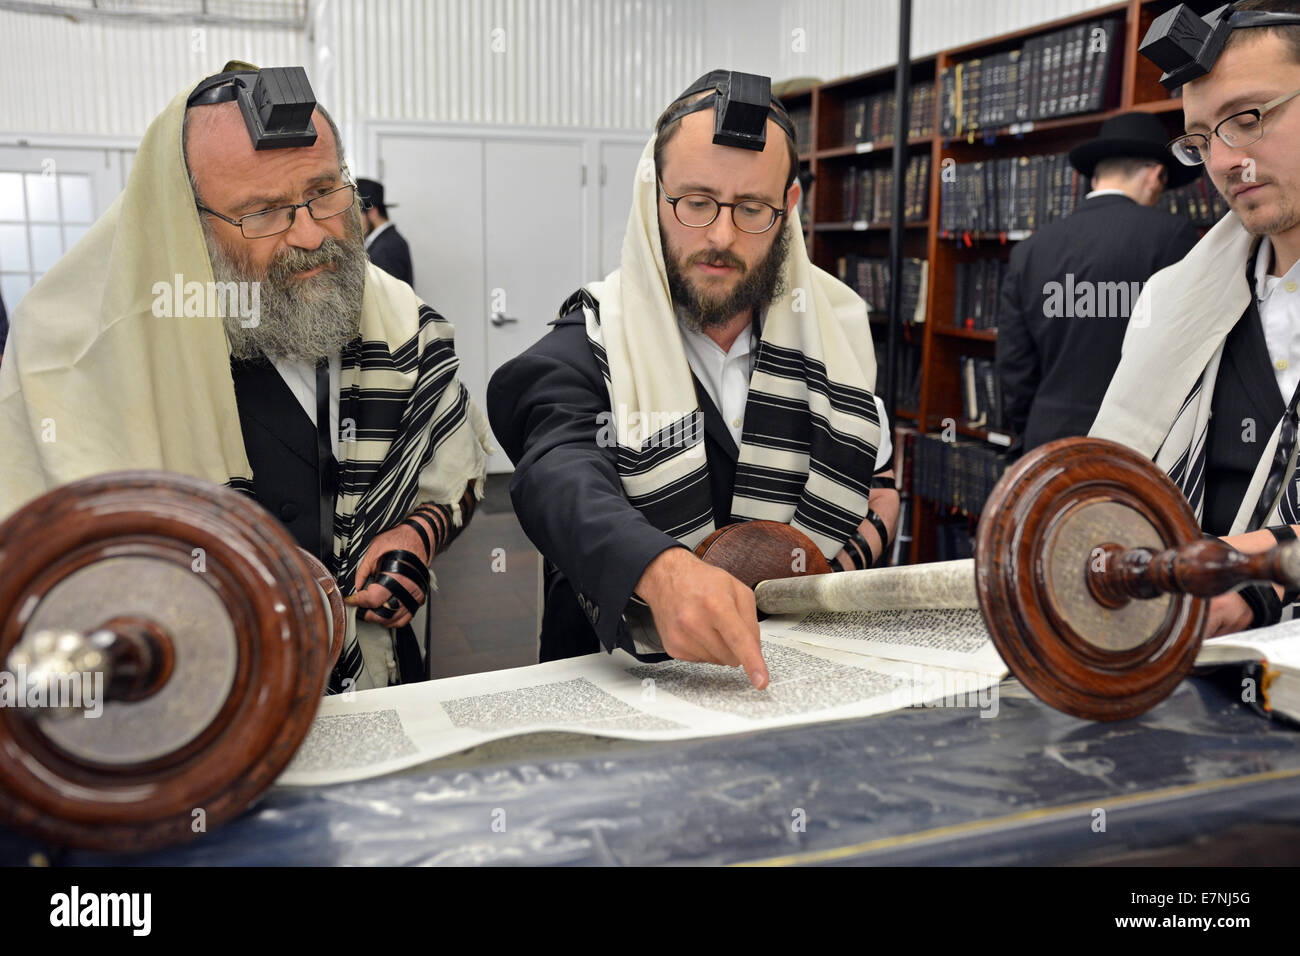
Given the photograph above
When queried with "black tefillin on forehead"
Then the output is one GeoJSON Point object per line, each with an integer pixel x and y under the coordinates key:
{"type": "Point", "coordinates": [1185, 46]}
{"type": "Point", "coordinates": [277, 103]}
{"type": "Point", "coordinates": [743, 103]}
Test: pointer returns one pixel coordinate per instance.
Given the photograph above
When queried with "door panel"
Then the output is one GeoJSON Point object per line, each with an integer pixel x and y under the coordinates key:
{"type": "Point", "coordinates": [534, 231]}
{"type": "Point", "coordinates": [434, 190]}
{"type": "Point", "coordinates": [618, 170]}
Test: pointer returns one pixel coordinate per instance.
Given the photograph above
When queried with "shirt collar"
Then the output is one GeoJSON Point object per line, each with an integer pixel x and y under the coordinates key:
{"type": "Point", "coordinates": [1107, 192]}
{"type": "Point", "coordinates": [742, 345]}
{"type": "Point", "coordinates": [1265, 284]}
{"type": "Point", "coordinates": [375, 235]}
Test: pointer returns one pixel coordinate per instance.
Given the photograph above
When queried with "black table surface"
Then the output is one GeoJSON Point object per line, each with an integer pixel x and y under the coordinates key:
{"type": "Point", "coordinates": [1201, 778]}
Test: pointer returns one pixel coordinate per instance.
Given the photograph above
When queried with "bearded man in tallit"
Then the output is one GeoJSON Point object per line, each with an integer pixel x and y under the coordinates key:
{"type": "Point", "coordinates": [716, 376]}
{"type": "Point", "coordinates": [330, 394]}
{"type": "Point", "coordinates": [1209, 380]}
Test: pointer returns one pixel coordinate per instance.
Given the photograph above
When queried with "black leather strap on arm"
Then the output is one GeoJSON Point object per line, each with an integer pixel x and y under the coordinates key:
{"type": "Point", "coordinates": [1283, 534]}
{"type": "Point", "coordinates": [405, 645]}
{"type": "Point", "coordinates": [1265, 607]}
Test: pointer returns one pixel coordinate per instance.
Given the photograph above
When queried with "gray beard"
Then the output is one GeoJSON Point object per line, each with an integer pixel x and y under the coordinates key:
{"type": "Point", "coordinates": [757, 289]}
{"type": "Point", "coordinates": [301, 320]}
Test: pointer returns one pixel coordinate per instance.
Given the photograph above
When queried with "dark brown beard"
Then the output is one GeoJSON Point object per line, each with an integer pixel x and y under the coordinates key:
{"type": "Point", "coordinates": [758, 287]}
{"type": "Point", "coordinates": [301, 320]}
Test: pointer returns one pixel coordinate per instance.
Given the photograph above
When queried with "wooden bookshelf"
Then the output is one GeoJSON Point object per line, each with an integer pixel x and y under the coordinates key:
{"type": "Point", "coordinates": [829, 237]}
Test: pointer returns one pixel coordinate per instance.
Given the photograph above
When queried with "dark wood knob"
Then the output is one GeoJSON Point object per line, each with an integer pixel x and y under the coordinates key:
{"type": "Point", "coordinates": [129, 657]}
{"type": "Point", "coordinates": [1117, 575]}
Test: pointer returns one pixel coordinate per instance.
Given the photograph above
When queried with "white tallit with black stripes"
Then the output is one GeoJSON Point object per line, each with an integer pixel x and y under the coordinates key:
{"type": "Point", "coordinates": [1160, 397]}
{"type": "Point", "coordinates": [811, 429]}
{"type": "Point", "coordinates": [416, 437]}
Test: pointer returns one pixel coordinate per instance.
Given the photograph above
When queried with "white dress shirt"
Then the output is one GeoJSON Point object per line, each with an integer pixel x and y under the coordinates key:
{"type": "Point", "coordinates": [1106, 192]}
{"type": "Point", "coordinates": [1278, 301]}
{"type": "Point", "coordinates": [725, 376]}
{"type": "Point", "coordinates": [301, 379]}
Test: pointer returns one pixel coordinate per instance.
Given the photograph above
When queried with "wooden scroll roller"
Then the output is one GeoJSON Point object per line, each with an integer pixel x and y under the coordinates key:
{"type": "Point", "coordinates": [201, 630]}
{"type": "Point", "coordinates": [1090, 570]}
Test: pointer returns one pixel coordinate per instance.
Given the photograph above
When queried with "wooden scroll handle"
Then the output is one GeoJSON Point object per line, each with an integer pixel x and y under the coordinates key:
{"type": "Point", "coordinates": [754, 551]}
{"type": "Point", "coordinates": [1205, 568]}
{"type": "Point", "coordinates": [134, 656]}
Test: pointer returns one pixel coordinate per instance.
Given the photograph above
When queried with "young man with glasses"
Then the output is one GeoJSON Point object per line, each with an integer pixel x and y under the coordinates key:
{"type": "Point", "coordinates": [333, 401]}
{"type": "Point", "coordinates": [717, 376]}
{"type": "Point", "coordinates": [1209, 382]}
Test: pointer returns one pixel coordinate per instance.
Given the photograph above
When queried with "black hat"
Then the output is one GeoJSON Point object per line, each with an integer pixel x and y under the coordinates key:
{"type": "Point", "coordinates": [1137, 136]}
{"type": "Point", "coordinates": [372, 194]}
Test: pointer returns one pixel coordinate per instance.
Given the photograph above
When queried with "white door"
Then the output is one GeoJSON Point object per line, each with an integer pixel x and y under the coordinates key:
{"type": "Point", "coordinates": [48, 199]}
{"type": "Point", "coordinates": [434, 190]}
{"type": "Point", "coordinates": [534, 214]}
{"type": "Point", "coordinates": [618, 162]}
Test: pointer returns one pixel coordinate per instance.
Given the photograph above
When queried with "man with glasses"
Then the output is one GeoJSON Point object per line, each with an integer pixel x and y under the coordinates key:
{"type": "Point", "coordinates": [1054, 360]}
{"type": "Point", "coordinates": [717, 376]}
{"type": "Point", "coordinates": [304, 377]}
{"type": "Point", "coordinates": [1209, 381]}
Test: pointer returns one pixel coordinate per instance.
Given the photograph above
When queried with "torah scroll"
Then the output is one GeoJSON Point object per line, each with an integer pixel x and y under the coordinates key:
{"type": "Point", "coordinates": [943, 584]}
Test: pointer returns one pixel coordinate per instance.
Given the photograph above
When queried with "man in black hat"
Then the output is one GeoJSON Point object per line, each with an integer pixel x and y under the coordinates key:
{"type": "Point", "coordinates": [384, 244]}
{"type": "Point", "coordinates": [1070, 288]}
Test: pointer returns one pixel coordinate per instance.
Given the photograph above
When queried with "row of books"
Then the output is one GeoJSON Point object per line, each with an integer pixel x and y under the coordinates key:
{"type": "Point", "coordinates": [870, 119]}
{"type": "Point", "coordinates": [868, 193]}
{"type": "Point", "coordinates": [956, 474]}
{"type": "Point", "coordinates": [976, 294]}
{"type": "Point", "coordinates": [981, 393]}
{"type": "Point", "coordinates": [954, 540]}
{"type": "Point", "coordinates": [908, 394]}
{"type": "Point", "coordinates": [909, 372]}
{"type": "Point", "coordinates": [1199, 201]}
{"type": "Point", "coordinates": [869, 278]}
{"type": "Point", "coordinates": [1010, 194]}
{"type": "Point", "coordinates": [1074, 70]}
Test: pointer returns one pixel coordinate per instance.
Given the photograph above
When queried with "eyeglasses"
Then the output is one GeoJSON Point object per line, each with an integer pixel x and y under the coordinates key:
{"type": "Point", "coordinates": [272, 222]}
{"type": "Point", "coordinates": [1239, 129]}
{"type": "Point", "coordinates": [697, 210]}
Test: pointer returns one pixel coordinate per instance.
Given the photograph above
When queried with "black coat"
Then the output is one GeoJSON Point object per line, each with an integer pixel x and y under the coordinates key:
{"type": "Point", "coordinates": [544, 406]}
{"type": "Point", "coordinates": [390, 252]}
{"type": "Point", "coordinates": [1054, 370]}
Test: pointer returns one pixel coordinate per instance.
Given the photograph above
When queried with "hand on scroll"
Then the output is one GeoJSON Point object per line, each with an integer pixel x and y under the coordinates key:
{"type": "Point", "coordinates": [703, 614]}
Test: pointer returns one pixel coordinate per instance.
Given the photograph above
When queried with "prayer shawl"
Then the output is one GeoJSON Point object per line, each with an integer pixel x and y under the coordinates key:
{"type": "Point", "coordinates": [1159, 400]}
{"type": "Point", "coordinates": [93, 381]}
{"type": "Point", "coordinates": [808, 447]}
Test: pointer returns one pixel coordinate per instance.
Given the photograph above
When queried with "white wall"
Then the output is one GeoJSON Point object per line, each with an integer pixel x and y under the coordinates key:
{"type": "Point", "coordinates": [593, 63]}
{"type": "Point", "coordinates": [102, 78]}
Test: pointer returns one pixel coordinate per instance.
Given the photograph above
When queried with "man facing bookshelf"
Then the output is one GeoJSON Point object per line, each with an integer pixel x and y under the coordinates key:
{"type": "Point", "coordinates": [1069, 288]}
{"type": "Point", "coordinates": [1209, 383]}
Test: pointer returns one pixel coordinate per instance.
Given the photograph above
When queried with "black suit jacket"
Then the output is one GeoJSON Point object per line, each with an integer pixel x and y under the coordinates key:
{"type": "Point", "coordinates": [390, 252]}
{"type": "Point", "coordinates": [544, 406]}
{"type": "Point", "coordinates": [1054, 370]}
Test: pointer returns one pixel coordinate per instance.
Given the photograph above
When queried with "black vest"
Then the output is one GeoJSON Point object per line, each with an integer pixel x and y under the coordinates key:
{"type": "Point", "coordinates": [1246, 391]}
{"type": "Point", "coordinates": [280, 442]}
